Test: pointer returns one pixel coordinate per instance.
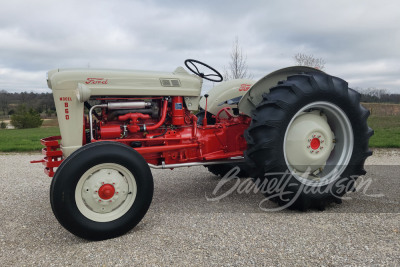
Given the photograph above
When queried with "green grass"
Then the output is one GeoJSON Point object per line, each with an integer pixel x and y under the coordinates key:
{"type": "Point", "coordinates": [387, 131]}
{"type": "Point", "coordinates": [22, 140]}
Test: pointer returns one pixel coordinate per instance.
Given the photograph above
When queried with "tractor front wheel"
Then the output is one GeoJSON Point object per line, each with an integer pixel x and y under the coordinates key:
{"type": "Point", "coordinates": [102, 190]}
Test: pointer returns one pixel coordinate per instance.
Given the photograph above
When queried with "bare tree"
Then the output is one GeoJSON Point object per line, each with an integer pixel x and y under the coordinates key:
{"type": "Point", "coordinates": [238, 65]}
{"type": "Point", "coordinates": [309, 61]}
{"type": "Point", "coordinates": [377, 95]}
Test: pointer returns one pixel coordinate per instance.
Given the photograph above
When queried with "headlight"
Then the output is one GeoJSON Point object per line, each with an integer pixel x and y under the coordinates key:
{"type": "Point", "coordinates": [83, 93]}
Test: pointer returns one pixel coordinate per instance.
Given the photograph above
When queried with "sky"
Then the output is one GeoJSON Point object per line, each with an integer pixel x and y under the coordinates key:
{"type": "Point", "coordinates": [359, 39]}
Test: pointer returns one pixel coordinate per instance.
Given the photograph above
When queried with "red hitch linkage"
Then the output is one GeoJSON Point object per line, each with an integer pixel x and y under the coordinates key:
{"type": "Point", "coordinates": [53, 154]}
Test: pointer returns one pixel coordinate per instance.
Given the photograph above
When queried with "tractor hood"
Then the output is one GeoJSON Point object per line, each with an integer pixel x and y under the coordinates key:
{"type": "Point", "coordinates": [98, 82]}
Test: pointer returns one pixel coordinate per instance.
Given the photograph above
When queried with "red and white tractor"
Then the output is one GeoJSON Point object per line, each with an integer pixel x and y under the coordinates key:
{"type": "Point", "coordinates": [116, 124]}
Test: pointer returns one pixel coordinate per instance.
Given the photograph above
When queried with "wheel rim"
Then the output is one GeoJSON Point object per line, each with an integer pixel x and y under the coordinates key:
{"type": "Point", "coordinates": [318, 143]}
{"type": "Point", "coordinates": [105, 192]}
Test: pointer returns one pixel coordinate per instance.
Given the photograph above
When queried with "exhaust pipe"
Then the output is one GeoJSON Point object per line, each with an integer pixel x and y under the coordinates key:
{"type": "Point", "coordinates": [128, 105]}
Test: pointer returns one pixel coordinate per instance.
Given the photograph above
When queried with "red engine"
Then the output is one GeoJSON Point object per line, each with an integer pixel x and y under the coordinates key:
{"type": "Point", "coordinates": [165, 132]}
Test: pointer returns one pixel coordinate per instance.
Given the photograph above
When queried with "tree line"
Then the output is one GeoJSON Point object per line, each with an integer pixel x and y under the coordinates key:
{"type": "Point", "coordinates": [373, 95]}
{"type": "Point", "coordinates": [42, 103]}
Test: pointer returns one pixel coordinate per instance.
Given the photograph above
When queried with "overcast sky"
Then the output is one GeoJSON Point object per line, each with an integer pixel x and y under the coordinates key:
{"type": "Point", "coordinates": [359, 40]}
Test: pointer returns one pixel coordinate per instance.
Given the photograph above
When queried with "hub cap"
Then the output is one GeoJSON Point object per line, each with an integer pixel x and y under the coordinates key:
{"type": "Point", "coordinates": [303, 141]}
{"type": "Point", "coordinates": [105, 192]}
{"type": "Point", "coordinates": [315, 144]}
{"type": "Point", "coordinates": [318, 143]}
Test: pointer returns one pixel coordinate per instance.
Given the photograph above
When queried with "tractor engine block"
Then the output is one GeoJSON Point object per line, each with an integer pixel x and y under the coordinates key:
{"type": "Point", "coordinates": [164, 131]}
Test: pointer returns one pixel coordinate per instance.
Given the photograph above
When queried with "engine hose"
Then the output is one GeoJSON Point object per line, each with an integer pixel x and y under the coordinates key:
{"type": "Point", "coordinates": [162, 134]}
{"type": "Point", "coordinates": [161, 122]}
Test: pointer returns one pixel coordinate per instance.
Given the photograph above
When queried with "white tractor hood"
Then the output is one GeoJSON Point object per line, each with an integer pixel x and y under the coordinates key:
{"type": "Point", "coordinates": [126, 82]}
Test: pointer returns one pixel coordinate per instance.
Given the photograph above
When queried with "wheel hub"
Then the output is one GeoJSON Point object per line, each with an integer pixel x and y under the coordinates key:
{"type": "Point", "coordinates": [315, 143]}
{"type": "Point", "coordinates": [309, 142]}
{"type": "Point", "coordinates": [106, 191]}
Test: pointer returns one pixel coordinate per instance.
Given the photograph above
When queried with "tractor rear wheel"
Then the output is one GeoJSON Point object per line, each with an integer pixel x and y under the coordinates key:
{"type": "Point", "coordinates": [308, 141]}
{"type": "Point", "coordinates": [101, 191]}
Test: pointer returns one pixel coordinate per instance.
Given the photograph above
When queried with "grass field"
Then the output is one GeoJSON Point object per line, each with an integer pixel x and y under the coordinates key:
{"type": "Point", "coordinates": [21, 140]}
{"type": "Point", "coordinates": [387, 134]}
{"type": "Point", "coordinates": [387, 131]}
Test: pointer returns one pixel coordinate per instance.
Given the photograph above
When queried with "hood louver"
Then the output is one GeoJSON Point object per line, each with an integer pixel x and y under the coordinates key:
{"type": "Point", "coordinates": [170, 82]}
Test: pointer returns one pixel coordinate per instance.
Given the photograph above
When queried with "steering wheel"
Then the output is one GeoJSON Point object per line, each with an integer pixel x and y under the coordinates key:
{"type": "Point", "coordinates": [201, 74]}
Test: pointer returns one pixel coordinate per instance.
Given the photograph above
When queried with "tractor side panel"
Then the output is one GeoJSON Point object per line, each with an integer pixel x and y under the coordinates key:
{"type": "Point", "coordinates": [70, 120]}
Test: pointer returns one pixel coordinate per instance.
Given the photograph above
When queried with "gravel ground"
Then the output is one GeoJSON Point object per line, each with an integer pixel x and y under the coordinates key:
{"type": "Point", "coordinates": [182, 228]}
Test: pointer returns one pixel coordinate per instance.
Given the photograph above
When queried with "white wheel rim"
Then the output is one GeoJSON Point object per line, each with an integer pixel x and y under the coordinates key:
{"type": "Point", "coordinates": [330, 162]}
{"type": "Point", "coordinates": [105, 192]}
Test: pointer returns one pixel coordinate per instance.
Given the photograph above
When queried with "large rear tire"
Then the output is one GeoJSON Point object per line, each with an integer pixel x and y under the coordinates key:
{"type": "Point", "coordinates": [313, 127]}
{"type": "Point", "coordinates": [101, 191]}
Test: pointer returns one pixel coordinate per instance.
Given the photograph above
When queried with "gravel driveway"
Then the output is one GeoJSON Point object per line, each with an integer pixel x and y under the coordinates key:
{"type": "Point", "coordinates": [182, 228]}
